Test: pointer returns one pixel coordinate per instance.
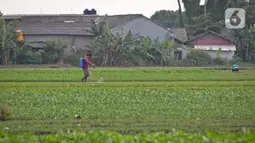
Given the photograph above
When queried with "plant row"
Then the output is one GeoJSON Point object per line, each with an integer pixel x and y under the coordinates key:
{"type": "Point", "coordinates": [244, 136]}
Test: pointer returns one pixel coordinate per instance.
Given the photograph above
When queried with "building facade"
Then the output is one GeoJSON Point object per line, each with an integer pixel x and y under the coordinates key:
{"type": "Point", "coordinates": [73, 29]}
{"type": "Point", "coordinates": [212, 42]}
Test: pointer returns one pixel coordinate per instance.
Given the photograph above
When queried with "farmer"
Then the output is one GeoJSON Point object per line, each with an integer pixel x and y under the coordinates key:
{"type": "Point", "coordinates": [85, 66]}
{"type": "Point", "coordinates": [235, 68]}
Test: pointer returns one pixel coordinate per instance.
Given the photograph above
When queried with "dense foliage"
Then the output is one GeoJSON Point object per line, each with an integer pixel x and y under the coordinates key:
{"type": "Point", "coordinates": [244, 136]}
{"type": "Point", "coordinates": [7, 40]}
{"type": "Point", "coordinates": [53, 52]}
{"type": "Point", "coordinates": [168, 18]}
{"type": "Point", "coordinates": [199, 58]}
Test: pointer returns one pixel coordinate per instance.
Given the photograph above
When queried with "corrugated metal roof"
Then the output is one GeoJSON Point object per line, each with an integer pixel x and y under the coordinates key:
{"type": "Point", "coordinates": [39, 30]}
{"type": "Point", "coordinates": [55, 24]}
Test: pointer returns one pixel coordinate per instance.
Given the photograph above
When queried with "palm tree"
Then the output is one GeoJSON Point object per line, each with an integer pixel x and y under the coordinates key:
{"type": "Point", "coordinates": [180, 14]}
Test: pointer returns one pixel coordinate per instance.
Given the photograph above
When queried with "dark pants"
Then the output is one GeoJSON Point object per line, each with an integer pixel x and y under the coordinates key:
{"type": "Point", "coordinates": [235, 70]}
{"type": "Point", "coordinates": [86, 72]}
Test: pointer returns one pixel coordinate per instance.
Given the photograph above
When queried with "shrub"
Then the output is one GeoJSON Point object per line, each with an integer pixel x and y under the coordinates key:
{"type": "Point", "coordinates": [236, 59]}
{"type": "Point", "coordinates": [33, 58]}
{"type": "Point", "coordinates": [198, 57]}
{"type": "Point", "coordinates": [175, 63]}
{"type": "Point", "coordinates": [73, 60]}
{"type": "Point", "coordinates": [53, 52]}
{"type": "Point", "coordinates": [219, 61]}
{"type": "Point", "coordinates": [26, 56]}
{"type": "Point", "coordinates": [5, 111]}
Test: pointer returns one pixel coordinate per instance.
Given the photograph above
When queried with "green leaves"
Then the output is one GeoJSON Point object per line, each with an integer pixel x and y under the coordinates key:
{"type": "Point", "coordinates": [155, 48]}
{"type": "Point", "coordinates": [53, 51]}
{"type": "Point", "coordinates": [218, 52]}
{"type": "Point", "coordinates": [112, 137]}
{"type": "Point", "coordinates": [167, 18]}
{"type": "Point", "coordinates": [7, 39]}
{"type": "Point", "coordinates": [128, 74]}
{"type": "Point", "coordinates": [167, 44]}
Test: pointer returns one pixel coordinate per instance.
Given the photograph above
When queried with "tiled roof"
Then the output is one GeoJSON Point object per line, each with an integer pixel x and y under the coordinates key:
{"type": "Point", "coordinates": [209, 31]}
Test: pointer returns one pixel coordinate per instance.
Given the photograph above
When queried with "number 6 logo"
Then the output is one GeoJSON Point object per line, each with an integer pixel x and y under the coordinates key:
{"type": "Point", "coordinates": [235, 18]}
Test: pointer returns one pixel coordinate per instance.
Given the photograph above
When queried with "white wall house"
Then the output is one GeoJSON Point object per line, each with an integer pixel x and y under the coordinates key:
{"type": "Point", "coordinates": [211, 42]}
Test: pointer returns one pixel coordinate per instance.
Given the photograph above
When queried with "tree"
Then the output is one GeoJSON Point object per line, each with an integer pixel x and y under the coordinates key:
{"type": "Point", "coordinates": [158, 51]}
{"type": "Point", "coordinates": [216, 8]}
{"type": "Point", "coordinates": [180, 14]}
{"type": "Point", "coordinates": [111, 49]}
{"type": "Point", "coordinates": [53, 52]}
{"type": "Point", "coordinates": [7, 39]}
{"type": "Point", "coordinates": [191, 8]}
{"type": "Point", "coordinates": [246, 44]}
{"type": "Point", "coordinates": [96, 28]}
{"type": "Point", "coordinates": [167, 18]}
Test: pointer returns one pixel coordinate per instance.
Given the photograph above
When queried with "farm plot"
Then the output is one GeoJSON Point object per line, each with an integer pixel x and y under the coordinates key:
{"type": "Point", "coordinates": [128, 100]}
{"type": "Point", "coordinates": [129, 109]}
{"type": "Point", "coordinates": [176, 84]}
{"type": "Point", "coordinates": [106, 137]}
{"type": "Point", "coordinates": [123, 74]}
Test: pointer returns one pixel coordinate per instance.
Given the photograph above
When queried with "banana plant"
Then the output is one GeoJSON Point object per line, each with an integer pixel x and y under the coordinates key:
{"type": "Point", "coordinates": [162, 48]}
{"type": "Point", "coordinates": [7, 39]}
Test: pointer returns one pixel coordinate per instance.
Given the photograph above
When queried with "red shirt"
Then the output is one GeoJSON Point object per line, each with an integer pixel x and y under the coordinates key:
{"type": "Point", "coordinates": [85, 62]}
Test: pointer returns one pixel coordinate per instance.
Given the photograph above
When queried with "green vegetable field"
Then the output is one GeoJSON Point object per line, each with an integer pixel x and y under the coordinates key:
{"type": "Point", "coordinates": [145, 104]}
{"type": "Point", "coordinates": [125, 74]}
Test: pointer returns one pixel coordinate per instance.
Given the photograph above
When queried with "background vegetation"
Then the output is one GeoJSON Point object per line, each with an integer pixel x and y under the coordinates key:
{"type": "Point", "coordinates": [136, 50]}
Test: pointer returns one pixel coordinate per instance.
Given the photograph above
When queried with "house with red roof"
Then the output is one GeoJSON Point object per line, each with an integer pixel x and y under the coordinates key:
{"type": "Point", "coordinates": [211, 42]}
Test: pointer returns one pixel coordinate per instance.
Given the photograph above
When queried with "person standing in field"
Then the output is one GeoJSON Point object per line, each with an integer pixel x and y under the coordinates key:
{"type": "Point", "coordinates": [86, 64]}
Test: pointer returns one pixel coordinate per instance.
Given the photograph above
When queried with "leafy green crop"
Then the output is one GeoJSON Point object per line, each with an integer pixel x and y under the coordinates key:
{"type": "Point", "coordinates": [244, 136]}
{"type": "Point", "coordinates": [124, 74]}
{"type": "Point", "coordinates": [123, 109]}
{"type": "Point", "coordinates": [154, 99]}
{"type": "Point", "coordinates": [122, 102]}
{"type": "Point", "coordinates": [180, 84]}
